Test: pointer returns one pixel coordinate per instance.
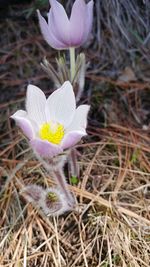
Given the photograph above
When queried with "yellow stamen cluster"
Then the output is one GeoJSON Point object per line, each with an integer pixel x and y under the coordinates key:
{"type": "Point", "coordinates": [52, 197]}
{"type": "Point", "coordinates": [52, 132]}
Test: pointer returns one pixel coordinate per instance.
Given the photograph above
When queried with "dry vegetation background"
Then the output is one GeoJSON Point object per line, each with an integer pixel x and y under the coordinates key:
{"type": "Point", "coordinates": [111, 226]}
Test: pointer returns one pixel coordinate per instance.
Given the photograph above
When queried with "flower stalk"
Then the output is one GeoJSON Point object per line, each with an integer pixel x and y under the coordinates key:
{"type": "Point", "coordinates": [72, 63]}
{"type": "Point", "coordinates": [74, 168]}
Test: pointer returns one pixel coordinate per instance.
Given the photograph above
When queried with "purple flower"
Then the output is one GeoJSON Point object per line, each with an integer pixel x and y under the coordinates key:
{"type": "Point", "coordinates": [52, 124]}
{"type": "Point", "coordinates": [52, 200]}
{"type": "Point", "coordinates": [62, 32]}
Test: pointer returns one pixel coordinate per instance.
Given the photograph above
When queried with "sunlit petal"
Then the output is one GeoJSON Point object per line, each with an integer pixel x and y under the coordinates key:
{"type": "Point", "coordinates": [60, 106]}
{"type": "Point", "coordinates": [24, 123]}
{"type": "Point", "coordinates": [35, 104]}
{"type": "Point", "coordinates": [79, 121]}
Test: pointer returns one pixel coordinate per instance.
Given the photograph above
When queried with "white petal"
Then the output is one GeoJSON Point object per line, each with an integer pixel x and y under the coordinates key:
{"type": "Point", "coordinates": [72, 138]}
{"type": "Point", "coordinates": [60, 106]}
{"type": "Point", "coordinates": [24, 123]}
{"type": "Point", "coordinates": [79, 121]}
{"type": "Point", "coordinates": [35, 104]}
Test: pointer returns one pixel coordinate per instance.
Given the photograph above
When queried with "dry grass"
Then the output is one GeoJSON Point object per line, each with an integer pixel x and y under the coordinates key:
{"type": "Point", "coordinates": [111, 226]}
{"type": "Point", "coordinates": [122, 37]}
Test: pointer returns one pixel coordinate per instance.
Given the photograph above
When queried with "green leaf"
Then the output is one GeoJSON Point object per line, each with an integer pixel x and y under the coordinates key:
{"type": "Point", "coordinates": [74, 180]}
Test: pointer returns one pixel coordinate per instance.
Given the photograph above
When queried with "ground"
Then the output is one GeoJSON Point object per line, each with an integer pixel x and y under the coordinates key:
{"type": "Point", "coordinates": [111, 226]}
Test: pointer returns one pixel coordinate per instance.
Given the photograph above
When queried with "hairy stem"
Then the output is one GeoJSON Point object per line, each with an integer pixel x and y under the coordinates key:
{"type": "Point", "coordinates": [56, 169]}
{"type": "Point", "coordinates": [74, 168]}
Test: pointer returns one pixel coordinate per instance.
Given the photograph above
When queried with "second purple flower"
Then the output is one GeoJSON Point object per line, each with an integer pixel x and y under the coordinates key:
{"type": "Point", "coordinates": [62, 32]}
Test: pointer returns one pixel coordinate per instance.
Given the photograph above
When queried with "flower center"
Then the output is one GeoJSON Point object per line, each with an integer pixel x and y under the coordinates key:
{"type": "Point", "coordinates": [52, 132]}
{"type": "Point", "coordinates": [51, 196]}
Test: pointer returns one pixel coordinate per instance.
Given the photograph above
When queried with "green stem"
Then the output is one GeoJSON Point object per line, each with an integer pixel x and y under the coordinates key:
{"type": "Point", "coordinates": [72, 62]}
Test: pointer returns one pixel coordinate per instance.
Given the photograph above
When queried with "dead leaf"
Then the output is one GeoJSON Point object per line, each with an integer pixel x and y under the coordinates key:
{"type": "Point", "coordinates": [127, 75]}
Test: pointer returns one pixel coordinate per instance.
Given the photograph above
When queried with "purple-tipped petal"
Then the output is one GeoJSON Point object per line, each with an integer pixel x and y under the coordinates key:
{"type": "Point", "coordinates": [60, 105]}
{"type": "Point", "coordinates": [77, 22]}
{"type": "Point", "coordinates": [58, 22]}
{"type": "Point", "coordinates": [88, 20]}
{"type": "Point", "coordinates": [49, 37]}
{"type": "Point", "coordinates": [45, 148]}
{"type": "Point", "coordinates": [72, 138]}
{"type": "Point", "coordinates": [35, 104]}
{"type": "Point", "coordinates": [79, 121]}
{"type": "Point", "coordinates": [33, 193]}
{"type": "Point", "coordinates": [24, 123]}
